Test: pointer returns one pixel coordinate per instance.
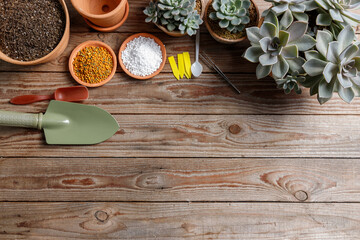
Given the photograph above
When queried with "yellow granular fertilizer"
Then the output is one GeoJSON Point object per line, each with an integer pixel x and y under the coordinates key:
{"type": "Point", "coordinates": [93, 64]}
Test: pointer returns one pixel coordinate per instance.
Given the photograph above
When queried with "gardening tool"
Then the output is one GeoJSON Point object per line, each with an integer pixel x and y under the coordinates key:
{"type": "Point", "coordinates": [66, 123]}
{"type": "Point", "coordinates": [196, 67]}
{"type": "Point", "coordinates": [68, 94]}
{"type": "Point", "coordinates": [211, 64]}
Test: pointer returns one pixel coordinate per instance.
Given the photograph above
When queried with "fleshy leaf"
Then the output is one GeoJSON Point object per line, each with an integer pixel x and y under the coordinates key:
{"type": "Point", "coordinates": [346, 94]}
{"type": "Point", "coordinates": [349, 52]}
{"type": "Point", "coordinates": [268, 30]}
{"type": "Point", "coordinates": [323, 38]}
{"type": "Point", "coordinates": [284, 38]}
{"type": "Point", "coordinates": [280, 68]}
{"type": "Point", "coordinates": [345, 37]}
{"type": "Point", "coordinates": [314, 67]}
{"type": "Point", "coordinates": [325, 89]}
{"type": "Point", "coordinates": [336, 15]}
{"type": "Point", "coordinates": [297, 30]}
{"type": "Point", "coordinates": [333, 52]}
{"type": "Point", "coordinates": [313, 54]}
{"type": "Point", "coordinates": [323, 19]}
{"type": "Point", "coordinates": [253, 53]}
{"type": "Point", "coordinates": [286, 19]}
{"type": "Point", "coordinates": [280, 8]}
{"type": "Point", "coordinates": [296, 64]}
{"type": "Point", "coordinates": [267, 59]}
{"type": "Point", "coordinates": [290, 52]}
{"type": "Point", "coordinates": [253, 34]}
{"type": "Point", "coordinates": [330, 71]}
{"type": "Point", "coordinates": [344, 81]}
{"type": "Point", "coordinates": [262, 71]}
{"type": "Point", "coordinates": [305, 43]}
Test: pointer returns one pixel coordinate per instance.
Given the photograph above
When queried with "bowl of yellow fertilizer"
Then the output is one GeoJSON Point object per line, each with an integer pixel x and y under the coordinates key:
{"type": "Point", "coordinates": [92, 63]}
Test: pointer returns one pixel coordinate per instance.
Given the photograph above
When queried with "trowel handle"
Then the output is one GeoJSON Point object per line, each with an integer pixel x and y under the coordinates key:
{"type": "Point", "coordinates": [17, 119]}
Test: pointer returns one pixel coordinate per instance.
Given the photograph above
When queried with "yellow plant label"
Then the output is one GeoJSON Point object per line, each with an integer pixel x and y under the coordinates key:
{"type": "Point", "coordinates": [174, 67]}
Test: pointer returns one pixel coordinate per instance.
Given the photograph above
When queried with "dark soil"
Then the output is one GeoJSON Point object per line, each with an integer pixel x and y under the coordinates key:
{"type": "Point", "coordinates": [30, 29]}
{"type": "Point", "coordinates": [223, 32]}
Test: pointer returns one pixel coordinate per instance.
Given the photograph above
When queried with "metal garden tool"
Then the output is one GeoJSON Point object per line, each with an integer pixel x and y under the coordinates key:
{"type": "Point", "coordinates": [66, 123]}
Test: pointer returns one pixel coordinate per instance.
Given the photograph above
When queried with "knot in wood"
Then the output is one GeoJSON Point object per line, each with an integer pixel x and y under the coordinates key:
{"type": "Point", "coordinates": [101, 216]}
{"type": "Point", "coordinates": [301, 195]}
{"type": "Point", "coordinates": [235, 129]}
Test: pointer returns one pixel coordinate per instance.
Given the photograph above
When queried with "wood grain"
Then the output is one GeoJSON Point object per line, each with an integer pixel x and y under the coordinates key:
{"type": "Point", "coordinates": [205, 136]}
{"type": "Point", "coordinates": [179, 179]}
{"type": "Point", "coordinates": [165, 95]}
{"type": "Point", "coordinates": [271, 221]}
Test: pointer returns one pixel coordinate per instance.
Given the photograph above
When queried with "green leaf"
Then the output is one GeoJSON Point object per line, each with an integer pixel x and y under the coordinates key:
{"type": "Point", "coordinates": [212, 16]}
{"type": "Point", "coordinates": [286, 19]}
{"type": "Point", "coordinates": [301, 16]}
{"type": "Point", "coordinates": [262, 71]}
{"type": "Point", "coordinates": [345, 37]}
{"type": "Point", "coordinates": [336, 15]}
{"type": "Point", "coordinates": [349, 52]}
{"type": "Point", "coordinates": [313, 54]}
{"type": "Point", "coordinates": [325, 89]}
{"type": "Point", "coordinates": [264, 43]}
{"type": "Point", "coordinates": [344, 81]}
{"type": "Point", "coordinates": [332, 54]}
{"type": "Point", "coordinates": [280, 8]}
{"type": "Point", "coordinates": [284, 38]}
{"type": "Point", "coordinates": [252, 54]}
{"type": "Point", "coordinates": [268, 30]}
{"type": "Point", "coordinates": [272, 18]}
{"type": "Point", "coordinates": [280, 68]}
{"type": "Point", "coordinates": [296, 64]}
{"type": "Point", "coordinates": [290, 52]}
{"type": "Point", "coordinates": [330, 71]}
{"type": "Point", "coordinates": [314, 67]}
{"type": "Point", "coordinates": [268, 59]}
{"type": "Point", "coordinates": [346, 94]}
{"type": "Point", "coordinates": [323, 38]}
{"type": "Point", "coordinates": [297, 30]}
{"type": "Point", "coordinates": [323, 19]}
{"type": "Point", "coordinates": [220, 15]}
{"type": "Point", "coordinates": [224, 23]}
{"type": "Point", "coordinates": [322, 4]}
{"type": "Point", "coordinates": [236, 21]}
{"type": "Point", "coordinates": [298, 8]}
{"type": "Point", "coordinates": [305, 43]}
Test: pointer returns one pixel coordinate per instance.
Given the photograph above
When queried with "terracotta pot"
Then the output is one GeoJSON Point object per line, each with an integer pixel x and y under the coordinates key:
{"type": "Point", "coordinates": [57, 51]}
{"type": "Point", "coordinates": [89, 44]}
{"type": "Point", "coordinates": [178, 33]}
{"type": "Point", "coordinates": [163, 50]}
{"type": "Point", "coordinates": [225, 40]}
{"type": "Point", "coordinates": [103, 13]}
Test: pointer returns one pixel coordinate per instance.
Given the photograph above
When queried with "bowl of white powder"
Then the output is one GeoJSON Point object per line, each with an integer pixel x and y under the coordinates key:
{"type": "Point", "coordinates": [142, 56]}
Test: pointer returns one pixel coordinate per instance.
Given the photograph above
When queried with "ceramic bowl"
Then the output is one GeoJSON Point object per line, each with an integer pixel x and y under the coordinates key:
{"type": "Point", "coordinates": [57, 51]}
{"type": "Point", "coordinates": [163, 50]}
{"type": "Point", "coordinates": [103, 13]}
{"type": "Point", "coordinates": [112, 28]}
{"type": "Point", "coordinates": [225, 40]}
{"type": "Point", "coordinates": [92, 44]}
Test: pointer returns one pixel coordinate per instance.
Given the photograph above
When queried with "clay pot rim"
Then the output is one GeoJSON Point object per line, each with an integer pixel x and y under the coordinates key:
{"type": "Point", "coordinates": [225, 40]}
{"type": "Point", "coordinates": [96, 44]}
{"type": "Point", "coordinates": [178, 33]}
{"type": "Point", "coordinates": [99, 16]}
{"type": "Point", "coordinates": [157, 40]}
{"type": "Point", "coordinates": [112, 28]}
{"type": "Point", "coordinates": [63, 39]}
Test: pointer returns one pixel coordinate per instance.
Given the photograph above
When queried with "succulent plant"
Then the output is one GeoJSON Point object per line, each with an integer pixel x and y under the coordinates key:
{"type": "Point", "coordinates": [291, 82]}
{"type": "Point", "coordinates": [337, 11]}
{"type": "Point", "coordinates": [277, 51]}
{"type": "Point", "coordinates": [288, 10]}
{"type": "Point", "coordinates": [231, 14]}
{"type": "Point", "coordinates": [175, 15]}
{"type": "Point", "coordinates": [334, 66]}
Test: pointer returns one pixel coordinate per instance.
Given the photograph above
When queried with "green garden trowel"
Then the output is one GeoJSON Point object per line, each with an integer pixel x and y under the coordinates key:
{"type": "Point", "coordinates": [66, 123]}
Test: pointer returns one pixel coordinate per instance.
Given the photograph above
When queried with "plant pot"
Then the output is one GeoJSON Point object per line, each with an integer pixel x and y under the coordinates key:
{"type": "Point", "coordinates": [178, 33]}
{"type": "Point", "coordinates": [226, 40]}
{"type": "Point", "coordinates": [57, 51]}
{"type": "Point", "coordinates": [103, 13]}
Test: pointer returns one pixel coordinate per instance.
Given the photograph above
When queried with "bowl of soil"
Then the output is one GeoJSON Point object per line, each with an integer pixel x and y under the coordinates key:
{"type": "Point", "coordinates": [92, 63]}
{"type": "Point", "coordinates": [102, 13]}
{"type": "Point", "coordinates": [200, 8]}
{"type": "Point", "coordinates": [36, 31]}
{"type": "Point", "coordinates": [142, 56]}
{"type": "Point", "coordinates": [222, 35]}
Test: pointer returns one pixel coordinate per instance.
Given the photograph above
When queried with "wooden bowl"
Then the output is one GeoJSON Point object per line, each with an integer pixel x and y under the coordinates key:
{"type": "Point", "coordinates": [112, 28]}
{"type": "Point", "coordinates": [225, 40]}
{"type": "Point", "coordinates": [163, 50]}
{"type": "Point", "coordinates": [178, 33]}
{"type": "Point", "coordinates": [57, 51]}
{"type": "Point", "coordinates": [103, 13]}
{"type": "Point", "coordinates": [92, 44]}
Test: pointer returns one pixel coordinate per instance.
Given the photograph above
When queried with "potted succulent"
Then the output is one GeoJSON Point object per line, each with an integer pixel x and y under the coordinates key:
{"type": "Point", "coordinates": [311, 44]}
{"type": "Point", "coordinates": [226, 20]}
{"type": "Point", "coordinates": [176, 17]}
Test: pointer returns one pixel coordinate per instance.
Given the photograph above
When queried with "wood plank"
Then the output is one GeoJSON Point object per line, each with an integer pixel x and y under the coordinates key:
{"type": "Point", "coordinates": [179, 221]}
{"type": "Point", "coordinates": [179, 179]}
{"type": "Point", "coordinates": [227, 57]}
{"type": "Point", "coordinates": [165, 95]}
{"type": "Point", "coordinates": [205, 136]}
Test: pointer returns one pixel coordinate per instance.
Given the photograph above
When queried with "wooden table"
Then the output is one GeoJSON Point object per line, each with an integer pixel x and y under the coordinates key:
{"type": "Point", "coordinates": [192, 159]}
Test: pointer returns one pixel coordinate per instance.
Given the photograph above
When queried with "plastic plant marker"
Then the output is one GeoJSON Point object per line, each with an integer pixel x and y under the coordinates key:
{"type": "Point", "coordinates": [174, 67]}
{"type": "Point", "coordinates": [66, 123]}
{"type": "Point", "coordinates": [181, 65]}
{"type": "Point", "coordinates": [187, 61]}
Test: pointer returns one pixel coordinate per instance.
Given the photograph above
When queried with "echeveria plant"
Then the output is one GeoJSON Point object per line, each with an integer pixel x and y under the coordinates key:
{"type": "Point", "coordinates": [277, 51]}
{"type": "Point", "coordinates": [231, 14]}
{"type": "Point", "coordinates": [330, 63]}
{"type": "Point", "coordinates": [175, 15]}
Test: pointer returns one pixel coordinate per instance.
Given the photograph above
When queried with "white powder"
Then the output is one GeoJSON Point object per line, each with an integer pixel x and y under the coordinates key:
{"type": "Point", "coordinates": [142, 56]}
